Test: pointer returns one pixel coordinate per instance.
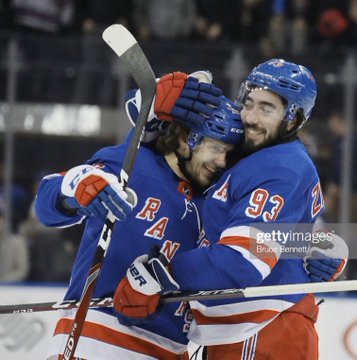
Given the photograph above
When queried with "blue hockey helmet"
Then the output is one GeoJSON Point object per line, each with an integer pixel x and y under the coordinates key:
{"type": "Point", "coordinates": [224, 125]}
{"type": "Point", "coordinates": [295, 83]}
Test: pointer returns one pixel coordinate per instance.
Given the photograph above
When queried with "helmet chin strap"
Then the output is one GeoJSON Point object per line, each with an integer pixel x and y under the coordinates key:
{"type": "Point", "coordinates": [288, 134]}
{"type": "Point", "coordinates": [181, 162]}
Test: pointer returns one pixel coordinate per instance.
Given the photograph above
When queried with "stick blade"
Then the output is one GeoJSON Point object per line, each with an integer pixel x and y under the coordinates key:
{"type": "Point", "coordinates": [124, 44]}
{"type": "Point", "coordinates": [116, 31]}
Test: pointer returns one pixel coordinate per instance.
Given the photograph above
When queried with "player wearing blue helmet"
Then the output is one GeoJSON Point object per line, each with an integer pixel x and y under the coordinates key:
{"type": "Point", "coordinates": [165, 212]}
{"type": "Point", "coordinates": [295, 86]}
{"type": "Point", "coordinates": [224, 124]}
{"type": "Point", "coordinates": [276, 183]}
{"type": "Point", "coordinates": [295, 83]}
{"type": "Point", "coordinates": [214, 134]}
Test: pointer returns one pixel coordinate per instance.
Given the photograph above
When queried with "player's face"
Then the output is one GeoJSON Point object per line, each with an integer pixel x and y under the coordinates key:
{"type": "Point", "coordinates": [208, 159]}
{"type": "Point", "coordinates": [262, 116]}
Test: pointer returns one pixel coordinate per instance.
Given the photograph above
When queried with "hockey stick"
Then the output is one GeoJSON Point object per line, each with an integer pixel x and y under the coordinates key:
{"type": "Point", "coordinates": [250, 292]}
{"type": "Point", "coordinates": [126, 47]}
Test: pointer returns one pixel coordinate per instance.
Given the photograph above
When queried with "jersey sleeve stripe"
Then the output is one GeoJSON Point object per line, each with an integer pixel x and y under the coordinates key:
{"type": "Point", "coordinates": [263, 268]}
{"type": "Point", "coordinates": [261, 252]}
{"type": "Point", "coordinates": [263, 255]}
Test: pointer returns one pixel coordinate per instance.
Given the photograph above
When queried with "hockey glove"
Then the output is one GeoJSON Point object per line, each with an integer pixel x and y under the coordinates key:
{"type": "Point", "coordinates": [154, 126]}
{"type": "Point", "coordinates": [326, 259]}
{"type": "Point", "coordinates": [138, 293]}
{"type": "Point", "coordinates": [185, 98]}
{"type": "Point", "coordinates": [87, 190]}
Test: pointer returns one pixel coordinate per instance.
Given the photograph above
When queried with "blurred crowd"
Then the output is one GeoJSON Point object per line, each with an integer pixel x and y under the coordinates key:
{"type": "Point", "coordinates": [273, 25]}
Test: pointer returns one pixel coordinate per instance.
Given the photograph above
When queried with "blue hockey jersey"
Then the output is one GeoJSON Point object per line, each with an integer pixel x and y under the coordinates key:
{"type": "Point", "coordinates": [277, 184]}
{"type": "Point", "coordinates": [166, 215]}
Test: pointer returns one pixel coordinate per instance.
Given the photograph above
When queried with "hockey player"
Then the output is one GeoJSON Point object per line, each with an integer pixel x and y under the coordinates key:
{"type": "Point", "coordinates": [165, 212]}
{"type": "Point", "coordinates": [276, 182]}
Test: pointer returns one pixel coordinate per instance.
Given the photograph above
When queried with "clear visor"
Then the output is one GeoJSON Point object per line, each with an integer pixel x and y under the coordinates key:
{"type": "Point", "coordinates": [209, 148]}
{"type": "Point", "coordinates": [244, 90]}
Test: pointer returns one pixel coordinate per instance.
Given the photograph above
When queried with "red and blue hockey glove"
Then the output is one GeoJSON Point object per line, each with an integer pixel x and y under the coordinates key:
{"type": "Point", "coordinates": [138, 293]}
{"type": "Point", "coordinates": [327, 258]}
{"type": "Point", "coordinates": [89, 191]}
{"type": "Point", "coordinates": [185, 98]}
{"type": "Point", "coordinates": [172, 91]}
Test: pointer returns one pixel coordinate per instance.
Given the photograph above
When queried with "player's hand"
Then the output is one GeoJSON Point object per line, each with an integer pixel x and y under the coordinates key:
{"type": "Point", "coordinates": [154, 127]}
{"type": "Point", "coordinates": [185, 98]}
{"type": "Point", "coordinates": [138, 293]}
{"type": "Point", "coordinates": [87, 190]}
{"type": "Point", "coordinates": [326, 259]}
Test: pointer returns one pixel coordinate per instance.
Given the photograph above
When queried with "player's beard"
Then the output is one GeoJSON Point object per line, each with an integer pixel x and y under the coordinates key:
{"type": "Point", "coordinates": [197, 187]}
{"type": "Point", "coordinates": [249, 147]}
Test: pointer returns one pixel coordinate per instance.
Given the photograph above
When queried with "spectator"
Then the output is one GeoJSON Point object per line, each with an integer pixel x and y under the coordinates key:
{"type": "Point", "coordinates": [51, 253]}
{"type": "Point", "coordinates": [289, 27]}
{"type": "Point", "coordinates": [164, 20]}
{"type": "Point", "coordinates": [95, 82]}
{"type": "Point", "coordinates": [14, 255]}
{"type": "Point", "coordinates": [50, 16]}
{"type": "Point", "coordinates": [217, 19]}
{"type": "Point", "coordinates": [335, 22]}
{"type": "Point", "coordinates": [253, 21]}
{"type": "Point", "coordinates": [337, 127]}
{"type": "Point", "coordinates": [47, 264]}
{"type": "Point", "coordinates": [19, 200]}
{"type": "Point", "coordinates": [95, 16]}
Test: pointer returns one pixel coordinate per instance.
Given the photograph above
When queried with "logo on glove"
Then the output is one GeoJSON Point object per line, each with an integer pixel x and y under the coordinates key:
{"type": "Point", "coordinates": [136, 275]}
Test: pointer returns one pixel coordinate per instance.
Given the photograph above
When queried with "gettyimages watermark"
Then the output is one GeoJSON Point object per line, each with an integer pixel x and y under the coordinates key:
{"type": "Point", "coordinates": [299, 240]}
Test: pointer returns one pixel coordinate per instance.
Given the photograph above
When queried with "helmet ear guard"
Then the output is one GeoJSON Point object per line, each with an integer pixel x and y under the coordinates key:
{"type": "Point", "coordinates": [292, 82]}
{"type": "Point", "coordinates": [224, 125]}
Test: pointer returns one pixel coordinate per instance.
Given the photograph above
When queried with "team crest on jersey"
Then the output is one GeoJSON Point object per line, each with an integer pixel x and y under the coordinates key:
{"type": "Point", "coordinates": [157, 230]}
{"type": "Point", "coordinates": [222, 192]}
{"type": "Point", "coordinates": [277, 62]}
{"type": "Point", "coordinates": [185, 189]}
{"type": "Point", "coordinates": [158, 224]}
{"type": "Point", "coordinates": [189, 208]}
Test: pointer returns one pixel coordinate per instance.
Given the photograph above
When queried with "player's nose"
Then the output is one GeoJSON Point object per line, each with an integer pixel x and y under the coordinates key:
{"type": "Point", "coordinates": [250, 117]}
{"type": "Point", "coordinates": [221, 160]}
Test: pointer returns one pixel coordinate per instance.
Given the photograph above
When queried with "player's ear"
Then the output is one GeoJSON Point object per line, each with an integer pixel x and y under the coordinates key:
{"type": "Point", "coordinates": [184, 149]}
{"type": "Point", "coordinates": [297, 122]}
{"type": "Point", "coordinates": [291, 124]}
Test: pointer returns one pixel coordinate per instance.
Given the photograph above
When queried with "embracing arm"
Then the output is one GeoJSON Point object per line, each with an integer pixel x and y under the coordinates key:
{"type": "Point", "coordinates": [47, 204]}
{"type": "Point", "coordinates": [83, 191]}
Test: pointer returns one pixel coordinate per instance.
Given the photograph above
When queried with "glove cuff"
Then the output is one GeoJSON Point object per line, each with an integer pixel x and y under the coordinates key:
{"type": "Point", "coordinates": [162, 275]}
{"type": "Point", "coordinates": [141, 279]}
{"type": "Point", "coordinates": [66, 206]}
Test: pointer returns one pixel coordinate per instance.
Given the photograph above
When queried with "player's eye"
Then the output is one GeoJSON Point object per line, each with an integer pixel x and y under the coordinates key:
{"type": "Point", "coordinates": [267, 109]}
{"type": "Point", "coordinates": [248, 104]}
